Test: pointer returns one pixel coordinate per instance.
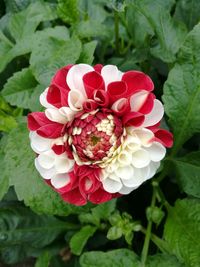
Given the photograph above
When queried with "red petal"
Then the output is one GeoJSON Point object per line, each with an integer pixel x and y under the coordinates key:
{"type": "Point", "coordinates": [148, 104]}
{"type": "Point", "coordinates": [93, 81]}
{"type": "Point", "coordinates": [136, 81]}
{"type": "Point", "coordinates": [164, 137]}
{"type": "Point", "coordinates": [90, 105]}
{"type": "Point", "coordinates": [122, 109]}
{"type": "Point", "coordinates": [51, 130]}
{"type": "Point", "coordinates": [101, 98]}
{"type": "Point", "coordinates": [36, 120]}
{"type": "Point", "coordinates": [69, 187]}
{"type": "Point", "coordinates": [116, 90]}
{"type": "Point", "coordinates": [58, 149]}
{"type": "Point", "coordinates": [59, 79]}
{"type": "Point", "coordinates": [74, 197]}
{"type": "Point", "coordinates": [100, 196]}
{"type": "Point", "coordinates": [98, 68]}
{"type": "Point", "coordinates": [58, 97]}
{"type": "Point", "coordinates": [133, 119]}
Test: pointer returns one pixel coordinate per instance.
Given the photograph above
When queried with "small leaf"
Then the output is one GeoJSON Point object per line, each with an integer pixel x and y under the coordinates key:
{"type": "Point", "coordinates": [114, 258]}
{"type": "Point", "coordinates": [68, 11]}
{"type": "Point", "coordinates": [182, 231]}
{"type": "Point", "coordinates": [4, 180]}
{"type": "Point", "coordinates": [188, 173]}
{"type": "Point", "coordinates": [155, 214]}
{"type": "Point", "coordinates": [79, 240]}
{"type": "Point", "coordinates": [182, 91]}
{"type": "Point", "coordinates": [43, 260]}
{"type": "Point", "coordinates": [7, 122]}
{"type": "Point", "coordinates": [114, 233]}
{"type": "Point", "coordinates": [163, 260]}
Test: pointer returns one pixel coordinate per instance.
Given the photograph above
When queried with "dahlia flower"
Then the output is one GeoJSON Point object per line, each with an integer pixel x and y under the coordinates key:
{"type": "Point", "coordinates": [99, 136]}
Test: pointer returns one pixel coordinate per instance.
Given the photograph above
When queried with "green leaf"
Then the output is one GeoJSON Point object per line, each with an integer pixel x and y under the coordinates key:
{"type": "Point", "coordinates": [7, 122]}
{"type": "Point", "coordinates": [29, 186]}
{"type": "Point", "coordinates": [52, 52]}
{"type": "Point", "coordinates": [4, 180]}
{"type": "Point", "coordinates": [87, 53]}
{"type": "Point", "coordinates": [22, 26]}
{"type": "Point", "coordinates": [114, 258]}
{"type": "Point", "coordinates": [20, 225]}
{"type": "Point", "coordinates": [79, 240]}
{"type": "Point", "coordinates": [170, 33]}
{"type": "Point", "coordinates": [182, 91]}
{"type": "Point", "coordinates": [188, 11]}
{"type": "Point", "coordinates": [68, 11]}
{"type": "Point", "coordinates": [114, 233]}
{"type": "Point", "coordinates": [22, 90]}
{"type": "Point", "coordinates": [182, 231]}
{"type": "Point", "coordinates": [163, 260]}
{"type": "Point", "coordinates": [188, 173]}
{"type": "Point", "coordinates": [15, 6]}
{"type": "Point", "coordinates": [43, 260]}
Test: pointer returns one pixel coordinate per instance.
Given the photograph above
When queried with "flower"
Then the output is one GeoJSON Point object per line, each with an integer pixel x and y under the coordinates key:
{"type": "Point", "coordinates": [99, 135]}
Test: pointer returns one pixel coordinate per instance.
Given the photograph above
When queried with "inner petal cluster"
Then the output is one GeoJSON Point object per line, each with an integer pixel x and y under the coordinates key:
{"type": "Point", "coordinates": [94, 136]}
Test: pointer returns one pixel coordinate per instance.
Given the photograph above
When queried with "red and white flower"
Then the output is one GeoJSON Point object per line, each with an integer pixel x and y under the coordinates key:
{"type": "Point", "coordinates": [99, 135]}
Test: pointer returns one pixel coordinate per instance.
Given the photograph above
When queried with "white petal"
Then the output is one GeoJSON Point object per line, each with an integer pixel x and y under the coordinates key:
{"type": "Point", "coordinates": [118, 105]}
{"type": "Point", "coordinates": [153, 167]}
{"type": "Point", "coordinates": [43, 99]}
{"type": "Point", "coordinates": [111, 186]}
{"type": "Point", "coordinates": [67, 112]}
{"type": "Point", "coordinates": [124, 158]}
{"type": "Point", "coordinates": [140, 158]}
{"type": "Point", "coordinates": [132, 143]}
{"type": "Point", "coordinates": [39, 144]}
{"type": "Point", "coordinates": [126, 190]}
{"type": "Point", "coordinates": [138, 99]}
{"type": "Point", "coordinates": [110, 73]}
{"type": "Point", "coordinates": [45, 173]}
{"type": "Point", "coordinates": [53, 114]}
{"type": "Point", "coordinates": [47, 159]}
{"type": "Point", "coordinates": [156, 151]}
{"type": "Point", "coordinates": [63, 164]}
{"type": "Point", "coordinates": [145, 136]}
{"type": "Point", "coordinates": [75, 77]}
{"type": "Point", "coordinates": [155, 115]}
{"type": "Point", "coordinates": [125, 172]}
{"type": "Point", "coordinates": [76, 100]}
{"type": "Point", "coordinates": [141, 175]}
{"type": "Point", "coordinates": [60, 180]}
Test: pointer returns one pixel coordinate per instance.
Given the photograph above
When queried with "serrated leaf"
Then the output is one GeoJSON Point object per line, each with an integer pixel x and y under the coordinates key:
{"type": "Point", "coordinates": [22, 26]}
{"type": "Point", "coordinates": [4, 180]}
{"type": "Point", "coordinates": [182, 231]}
{"type": "Point", "coordinates": [87, 53]}
{"type": "Point", "coordinates": [163, 260]}
{"type": "Point", "coordinates": [22, 90]}
{"type": "Point", "coordinates": [52, 52]}
{"type": "Point", "coordinates": [182, 91]}
{"type": "Point", "coordinates": [114, 258]}
{"type": "Point", "coordinates": [43, 260]}
{"type": "Point", "coordinates": [170, 33]}
{"type": "Point", "coordinates": [68, 11]}
{"type": "Point", "coordinates": [29, 186]}
{"type": "Point", "coordinates": [188, 12]}
{"type": "Point", "coordinates": [188, 173]}
{"type": "Point", "coordinates": [79, 239]}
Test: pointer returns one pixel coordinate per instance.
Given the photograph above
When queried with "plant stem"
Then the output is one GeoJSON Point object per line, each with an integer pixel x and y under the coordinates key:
{"type": "Point", "coordinates": [145, 249]}
{"type": "Point", "coordinates": [116, 17]}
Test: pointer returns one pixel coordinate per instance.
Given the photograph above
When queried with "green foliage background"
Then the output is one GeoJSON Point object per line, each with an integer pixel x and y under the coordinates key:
{"type": "Point", "coordinates": [159, 223]}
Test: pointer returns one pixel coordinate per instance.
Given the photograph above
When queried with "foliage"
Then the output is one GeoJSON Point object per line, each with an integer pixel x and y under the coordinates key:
{"type": "Point", "coordinates": [161, 38]}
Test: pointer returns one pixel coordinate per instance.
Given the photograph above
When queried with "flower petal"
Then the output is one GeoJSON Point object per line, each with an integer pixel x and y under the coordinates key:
{"type": "Point", "coordinates": [145, 136]}
{"type": "Point", "coordinates": [53, 114]}
{"type": "Point", "coordinates": [164, 137]}
{"type": "Point", "coordinates": [43, 99]}
{"type": "Point", "coordinates": [60, 180]}
{"type": "Point", "coordinates": [155, 115]}
{"type": "Point", "coordinates": [93, 81]}
{"type": "Point", "coordinates": [156, 151]}
{"type": "Point", "coordinates": [140, 158]}
{"type": "Point", "coordinates": [110, 73]}
{"type": "Point", "coordinates": [74, 197]}
{"type": "Point", "coordinates": [47, 159]}
{"type": "Point", "coordinates": [125, 173]}
{"type": "Point", "coordinates": [133, 119]}
{"type": "Point", "coordinates": [75, 77]}
{"type": "Point", "coordinates": [45, 173]}
{"type": "Point", "coordinates": [76, 100]}
{"type": "Point", "coordinates": [116, 90]}
{"type": "Point", "coordinates": [121, 106]}
{"type": "Point", "coordinates": [39, 144]}
{"type": "Point", "coordinates": [63, 163]}
{"type": "Point", "coordinates": [136, 81]}
{"type": "Point", "coordinates": [138, 99]}
{"type": "Point", "coordinates": [111, 186]}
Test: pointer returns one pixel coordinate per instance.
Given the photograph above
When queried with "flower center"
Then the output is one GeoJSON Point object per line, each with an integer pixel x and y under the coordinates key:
{"type": "Point", "coordinates": [94, 136]}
